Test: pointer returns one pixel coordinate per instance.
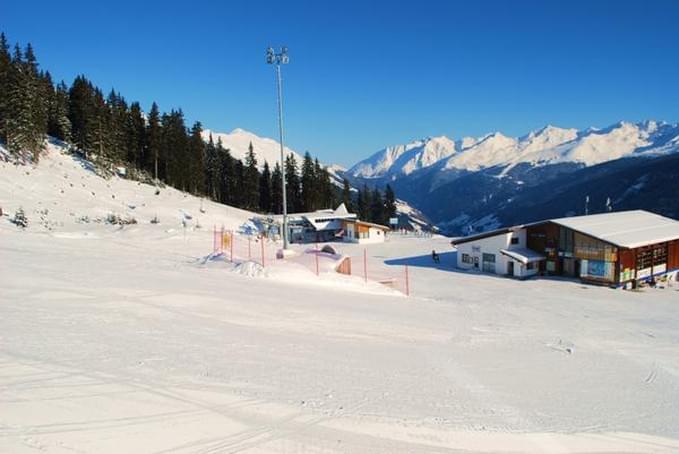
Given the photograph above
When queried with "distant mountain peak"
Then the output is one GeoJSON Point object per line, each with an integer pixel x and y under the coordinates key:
{"type": "Point", "coordinates": [549, 144]}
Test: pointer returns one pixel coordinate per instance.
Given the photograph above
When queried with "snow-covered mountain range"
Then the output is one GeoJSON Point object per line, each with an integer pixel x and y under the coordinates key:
{"type": "Point", "coordinates": [549, 145]}
{"type": "Point", "coordinates": [478, 183]}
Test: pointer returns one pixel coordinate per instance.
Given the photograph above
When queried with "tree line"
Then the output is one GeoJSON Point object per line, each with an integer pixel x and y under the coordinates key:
{"type": "Point", "coordinates": [109, 130]}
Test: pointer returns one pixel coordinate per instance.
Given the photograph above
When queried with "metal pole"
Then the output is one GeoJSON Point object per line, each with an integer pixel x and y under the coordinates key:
{"type": "Point", "coordinates": [280, 133]}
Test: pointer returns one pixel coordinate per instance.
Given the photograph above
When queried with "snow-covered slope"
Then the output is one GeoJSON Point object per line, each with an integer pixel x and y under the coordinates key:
{"type": "Point", "coordinates": [238, 141]}
{"type": "Point", "coordinates": [549, 145]}
{"type": "Point", "coordinates": [63, 191]}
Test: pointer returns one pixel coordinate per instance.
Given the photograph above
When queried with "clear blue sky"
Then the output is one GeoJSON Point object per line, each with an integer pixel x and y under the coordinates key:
{"type": "Point", "coordinates": [368, 74]}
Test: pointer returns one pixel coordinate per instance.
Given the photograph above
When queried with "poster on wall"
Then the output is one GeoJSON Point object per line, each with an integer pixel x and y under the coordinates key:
{"type": "Point", "coordinates": [598, 269]}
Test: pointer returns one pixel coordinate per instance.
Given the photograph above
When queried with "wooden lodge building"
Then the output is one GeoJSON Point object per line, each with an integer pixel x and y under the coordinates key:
{"type": "Point", "coordinates": [616, 249]}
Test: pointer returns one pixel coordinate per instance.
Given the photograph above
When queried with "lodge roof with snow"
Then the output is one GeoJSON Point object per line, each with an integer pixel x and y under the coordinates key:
{"type": "Point", "coordinates": [624, 229]}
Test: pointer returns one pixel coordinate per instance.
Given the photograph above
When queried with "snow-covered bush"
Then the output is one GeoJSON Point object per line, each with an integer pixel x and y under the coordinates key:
{"type": "Point", "coordinates": [20, 218]}
{"type": "Point", "coordinates": [115, 219]}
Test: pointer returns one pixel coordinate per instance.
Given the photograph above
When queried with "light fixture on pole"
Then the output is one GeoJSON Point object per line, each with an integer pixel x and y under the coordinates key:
{"type": "Point", "coordinates": [278, 59]}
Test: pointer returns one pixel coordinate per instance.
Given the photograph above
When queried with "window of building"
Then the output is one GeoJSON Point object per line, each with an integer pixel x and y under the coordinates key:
{"type": "Point", "coordinates": [466, 258]}
{"type": "Point", "coordinates": [515, 240]}
{"type": "Point", "coordinates": [530, 265]}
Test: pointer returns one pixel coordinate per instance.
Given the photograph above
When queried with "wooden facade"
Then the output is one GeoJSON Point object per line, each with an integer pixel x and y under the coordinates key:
{"type": "Point", "coordinates": [572, 253]}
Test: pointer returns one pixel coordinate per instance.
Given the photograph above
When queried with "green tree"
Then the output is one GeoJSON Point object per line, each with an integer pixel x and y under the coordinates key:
{"type": "Point", "coordinates": [389, 203]}
{"type": "Point", "coordinates": [346, 196]}
{"type": "Point", "coordinates": [153, 141]}
{"type": "Point", "coordinates": [277, 189]}
{"type": "Point", "coordinates": [265, 189]}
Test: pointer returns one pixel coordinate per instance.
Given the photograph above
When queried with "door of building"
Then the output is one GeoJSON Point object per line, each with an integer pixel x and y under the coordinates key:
{"type": "Point", "coordinates": [510, 267]}
{"type": "Point", "coordinates": [488, 264]}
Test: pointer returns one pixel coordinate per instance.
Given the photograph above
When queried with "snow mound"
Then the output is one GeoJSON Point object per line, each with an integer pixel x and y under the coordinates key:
{"type": "Point", "coordinates": [250, 269]}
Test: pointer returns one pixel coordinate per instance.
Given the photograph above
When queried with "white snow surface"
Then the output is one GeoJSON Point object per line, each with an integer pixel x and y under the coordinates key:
{"type": "Point", "coordinates": [549, 145]}
{"type": "Point", "coordinates": [127, 339]}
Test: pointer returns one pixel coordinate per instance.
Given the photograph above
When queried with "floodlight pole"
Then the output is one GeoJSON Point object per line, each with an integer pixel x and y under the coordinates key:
{"type": "Point", "coordinates": [277, 59]}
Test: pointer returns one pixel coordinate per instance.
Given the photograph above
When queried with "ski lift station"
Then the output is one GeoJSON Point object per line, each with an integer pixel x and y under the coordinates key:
{"type": "Point", "coordinates": [617, 249]}
{"type": "Point", "coordinates": [331, 225]}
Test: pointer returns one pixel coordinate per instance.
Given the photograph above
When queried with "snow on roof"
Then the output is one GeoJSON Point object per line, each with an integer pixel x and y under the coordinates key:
{"type": "Point", "coordinates": [523, 255]}
{"type": "Point", "coordinates": [342, 209]}
{"type": "Point", "coordinates": [627, 229]}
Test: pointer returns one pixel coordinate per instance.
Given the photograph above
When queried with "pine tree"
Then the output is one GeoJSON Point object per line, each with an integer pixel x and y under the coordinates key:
{"type": "Point", "coordinates": [251, 180]}
{"type": "Point", "coordinates": [196, 165]}
{"type": "Point", "coordinates": [277, 189]}
{"type": "Point", "coordinates": [153, 141]}
{"type": "Point", "coordinates": [227, 176]}
{"type": "Point", "coordinates": [5, 68]}
{"type": "Point", "coordinates": [135, 136]}
{"type": "Point", "coordinates": [292, 185]}
{"type": "Point", "coordinates": [364, 203]}
{"type": "Point", "coordinates": [377, 207]}
{"type": "Point", "coordinates": [239, 198]}
{"type": "Point", "coordinates": [26, 119]}
{"type": "Point", "coordinates": [174, 159]}
{"type": "Point", "coordinates": [58, 124]}
{"type": "Point", "coordinates": [309, 184]}
{"type": "Point", "coordinates": [326, 190]}
{"type": "Point", "coordinates": [346, 195]}
{"type": "Point", "coordinates": [116, 131]}
{"type": "Point", "coordinates": [82, 113]}
{"type": "Point", "coordinates": [211, 170]}
{"type": "Point", "coordinates": [265, 189]}
{"type": "Point", "coordinates": [389, 203]}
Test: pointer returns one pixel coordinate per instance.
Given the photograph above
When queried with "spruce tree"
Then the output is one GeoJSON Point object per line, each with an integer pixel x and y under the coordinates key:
{"type": "Point", "coordinates": [346, 195]}
{"type": "Point", "coordinates": [292, 185]}
{"type": "Point", "coordinates": [251, 180]}
{"type": "Point", "coordinates": [59, 125]}
{"type": "Point", "coordinates": [5, 68]}
{"type": "Point", "coordinates": [377, 207]}
{"type": "Point", "coordinates": [196, 165]}
{"type": "Point", "coordinates": [309, 184]}
{"type": "Point", "coordinates": [277, 189]}
{"type": "Point", "coordinates": [265, 189]}
{"type": "Point", "coordinates": [135, 136]}
{"type": "Point", "coordinates": [211, 170]}
{"type": "Point", "coordinates": [26, 119]}
{"type": "Point", "coordinates": [364, 203]}
{"type": "Point", "coordinates": [389, 203]}
{"type": "Point", "coordinates": [239, 198]}
{"type": "Point", "coordinates": [153, 141]}
{"type": "Point", "coordinates": [227, 175]}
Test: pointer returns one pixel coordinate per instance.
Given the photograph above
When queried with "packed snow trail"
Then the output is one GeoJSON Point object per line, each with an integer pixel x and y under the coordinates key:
{"type": "Point", "coordinates": [118, 339]}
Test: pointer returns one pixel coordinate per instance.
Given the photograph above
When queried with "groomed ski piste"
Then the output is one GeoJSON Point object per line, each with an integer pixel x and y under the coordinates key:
{"type": "Point", "coordinates": [132, 338]}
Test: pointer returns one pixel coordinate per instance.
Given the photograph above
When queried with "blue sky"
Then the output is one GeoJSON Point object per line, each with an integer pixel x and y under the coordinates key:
{"type": "Point", "coordinates": [368, 74]}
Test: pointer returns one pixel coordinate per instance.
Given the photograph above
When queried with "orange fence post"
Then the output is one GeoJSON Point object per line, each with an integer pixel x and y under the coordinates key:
{"type": "Point", "coordinates": [365, 265]}
{"type": "Point", "coordinates": [407, 282]}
